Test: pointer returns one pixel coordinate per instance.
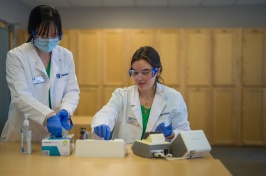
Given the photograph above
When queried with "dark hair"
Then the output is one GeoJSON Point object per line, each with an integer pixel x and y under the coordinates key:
{"type": "Point", "coordinates": [149, 54]}
{"type": "Point", "coordinates": [43, 15]}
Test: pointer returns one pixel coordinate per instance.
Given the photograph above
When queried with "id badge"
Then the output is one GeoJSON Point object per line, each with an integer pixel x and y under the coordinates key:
{"type": "Point", "coordinates": [38, 80]}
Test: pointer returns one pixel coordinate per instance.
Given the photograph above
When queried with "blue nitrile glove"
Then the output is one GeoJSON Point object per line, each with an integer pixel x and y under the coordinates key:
{"type": "Point", "coordinates": [54, 126]}
{"type": "Point", "coordinates": [103, 131]}
{"type": "Point", "coordinates": [167, 131]}
{"type": "Point", "coordinates": [65, 120]}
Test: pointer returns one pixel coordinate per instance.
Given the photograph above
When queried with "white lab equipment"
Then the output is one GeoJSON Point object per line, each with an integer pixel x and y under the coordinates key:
{"type": "Point", "coordinates": [190, 144]}
{"type": "Point", "coordinates": [152, 142]}
{"type": "Point", "coordinates": [26, 136]}
{"type": "Point", "coordinates": [187, 144]}
{"type": "Point", "coordinates": [101, 148]}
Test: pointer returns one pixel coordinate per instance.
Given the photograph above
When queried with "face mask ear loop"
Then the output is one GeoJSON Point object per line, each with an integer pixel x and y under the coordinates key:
{"type": "Point", "coordinates": [33, 35]}
{"type": "Point", "coordinates": [60, 35]}
{"type": "Point", "coordinates": [154, 71]}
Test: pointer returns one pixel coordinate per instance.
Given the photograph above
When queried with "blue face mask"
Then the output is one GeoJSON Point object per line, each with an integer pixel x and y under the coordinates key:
{"type": "Point", "coordinates": [46, 45]}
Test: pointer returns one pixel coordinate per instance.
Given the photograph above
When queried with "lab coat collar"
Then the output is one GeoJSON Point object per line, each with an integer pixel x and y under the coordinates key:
{"type": "Point", "coordinates": [156, 109]}
{"type": "Point", "coordinates": [56, 61]}
{"type": "Point", "coordinates": [34, 58]}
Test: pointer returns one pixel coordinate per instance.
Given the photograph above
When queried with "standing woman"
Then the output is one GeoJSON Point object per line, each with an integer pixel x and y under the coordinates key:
{"type": "Point", "coordinates": [42, 80]}
{"type": "Point", "coordinates": [144, 107]}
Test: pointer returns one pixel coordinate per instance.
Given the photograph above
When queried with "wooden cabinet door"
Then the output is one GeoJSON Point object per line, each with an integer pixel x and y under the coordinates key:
{"type": "Point", "coordinates": [115, 65]}
{"type": "Point", "coordinates": [139, 38]}
{"type": "Point", "coordinates": [21, 37]}
{"type": "Point", "coordinates": [197, 57]}
{"type": "Point", "coordinates": [89, 71]}
{"type": "Point", "coordinates": [107, 93]}
{"type": "Point", "coordinates": [224, 116]}
{"type": "Point", "coordinates": [69, 41]}
{"type": "Point", "coordinates": [253, 116]}
{"type": "Point", "coordinates": [89, 102]}
{"type": "Point", "coordinates": [168, 47]}
{"type": "Point", "coordinates": [89, 57]}
{"type": "Point", "coordinates": [253, 59]}
{"type": "Point", "coordinates": [224, 56]}
{"type": "Point", "coordinates": [198, 103]}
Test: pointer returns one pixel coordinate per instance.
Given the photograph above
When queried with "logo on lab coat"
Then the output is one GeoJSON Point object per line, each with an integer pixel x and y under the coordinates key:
{"type": "Point", "coordinates": [133, 121]}
{"type": "Point", "coordinates": [61, 75]}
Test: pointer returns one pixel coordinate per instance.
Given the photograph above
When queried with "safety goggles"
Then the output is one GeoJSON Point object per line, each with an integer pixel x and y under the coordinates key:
{"type": "Point", "coordinates": [133, 73]}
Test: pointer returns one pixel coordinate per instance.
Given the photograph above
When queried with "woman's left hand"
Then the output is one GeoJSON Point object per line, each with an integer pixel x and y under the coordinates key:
{"type": "Point", "coordinates": [167, 131]}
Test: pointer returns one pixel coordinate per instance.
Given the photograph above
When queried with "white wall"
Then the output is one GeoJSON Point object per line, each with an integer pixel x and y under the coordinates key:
{"type": "Point", "coordinates": [164, 17]}
{"type": "Point", "coordinates": [15, 13]}
{"type": "Point", "coordinates": [182, 17]}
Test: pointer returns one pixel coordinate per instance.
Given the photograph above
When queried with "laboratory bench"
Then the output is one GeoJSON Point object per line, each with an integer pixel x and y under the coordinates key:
{"type": "Point", "coordinates": [13, 162]}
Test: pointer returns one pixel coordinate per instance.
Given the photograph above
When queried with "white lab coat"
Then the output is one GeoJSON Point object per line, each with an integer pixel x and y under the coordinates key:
{"type": "Point", "coordinates": [124, 117]}
{"type": "Point", "coordinates": [29, 97]}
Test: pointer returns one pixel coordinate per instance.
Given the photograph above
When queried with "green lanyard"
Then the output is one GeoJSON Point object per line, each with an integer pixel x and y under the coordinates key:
{"type": "Point", "coordinates": [145, 118]}
{"type": "Point", "coordinates": [48, 73]}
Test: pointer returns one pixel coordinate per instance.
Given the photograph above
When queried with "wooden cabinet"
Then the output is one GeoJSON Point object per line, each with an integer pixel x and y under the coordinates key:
{"type": "Point", "coordinates": [140, 37]}
{"type": "Point", "coordinates": [21, 37]}
{"type": "Point", "coordinates": [199, 103]}
{"type": "Point", "coordinates": [198, 76]}
{"type": "Point", "coordinates": [114, 64]}
{"type": "Point", "coordinates": [253, 106]}
{"type": "Point", "coordinates": [226, 86]}
{"type": "Point", "coordinates": [197, 57]}
{"type": "Point", "coordinates": [224, 116]}
{"type": "Point", "coordinates": [89, 102]}
{"type": "Point", "coordinates": [88, 63]}
{"type": "Point", "coordinates": [168, 45]}
{"type": "Point", "coordinates": [225, 50]}
{"type": "Point", "coordinates": [253, 57]}
{"type": "Point", "coordinates": [253, 116]}
{"type": "Point", "coordinates": [89, 57]}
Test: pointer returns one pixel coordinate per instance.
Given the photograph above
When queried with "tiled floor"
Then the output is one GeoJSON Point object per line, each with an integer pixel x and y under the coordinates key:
{"type": "Point", "coordinates": [242, 161]}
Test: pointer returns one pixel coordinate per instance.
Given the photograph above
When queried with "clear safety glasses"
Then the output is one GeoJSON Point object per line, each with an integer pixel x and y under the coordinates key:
{"type": "Point", "coordinates": [144, 73]}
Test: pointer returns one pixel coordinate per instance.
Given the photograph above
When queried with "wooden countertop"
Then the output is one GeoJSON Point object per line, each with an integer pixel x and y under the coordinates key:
{"type": "Point", "coordinates": [14, 163]}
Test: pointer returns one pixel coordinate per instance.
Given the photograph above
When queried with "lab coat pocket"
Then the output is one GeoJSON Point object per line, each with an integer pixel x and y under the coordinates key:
{"type": "Point", "coordinates": [41, 92]}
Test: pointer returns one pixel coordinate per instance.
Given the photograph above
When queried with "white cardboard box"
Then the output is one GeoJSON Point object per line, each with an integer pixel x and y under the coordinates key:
{"type": "Point", "coordinates": [62, 146]}
{"type": "Point", "coordinates": [101, 148]}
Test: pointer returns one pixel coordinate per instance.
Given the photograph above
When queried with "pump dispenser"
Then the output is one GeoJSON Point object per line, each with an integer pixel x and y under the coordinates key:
{"type": "Point", "coordinates": [26, 136]}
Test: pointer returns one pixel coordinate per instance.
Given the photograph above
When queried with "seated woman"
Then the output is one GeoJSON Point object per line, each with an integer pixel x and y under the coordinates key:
{"type": "Point", "coordinates": [144, 107]}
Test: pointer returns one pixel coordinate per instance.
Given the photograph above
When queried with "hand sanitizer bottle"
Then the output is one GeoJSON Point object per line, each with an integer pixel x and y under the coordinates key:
{"type": "Point", "coordinates": [26, 137]}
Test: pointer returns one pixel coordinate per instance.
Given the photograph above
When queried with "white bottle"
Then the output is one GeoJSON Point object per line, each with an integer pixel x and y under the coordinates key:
{"type": "Point", "coordinates": [26, 137]}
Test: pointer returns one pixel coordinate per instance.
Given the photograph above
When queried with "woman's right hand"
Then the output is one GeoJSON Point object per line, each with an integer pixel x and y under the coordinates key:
{"type": "Point", "coordinates": [103, 131]}
{"type": "Point", "coordinates": [54, 126]}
